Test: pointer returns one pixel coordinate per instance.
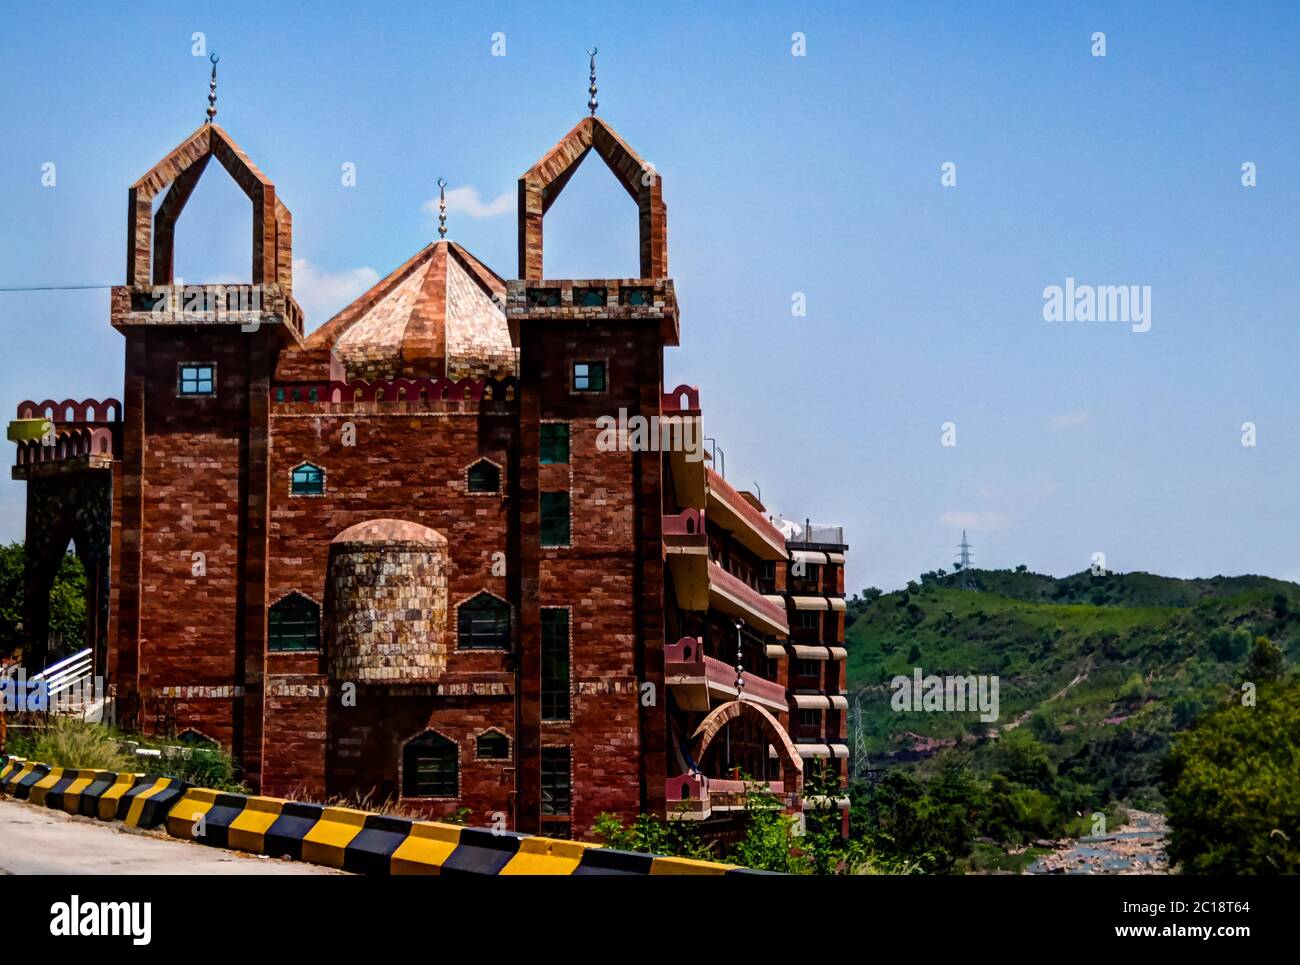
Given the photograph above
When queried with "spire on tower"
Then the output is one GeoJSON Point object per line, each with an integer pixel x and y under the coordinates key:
{"type": "Point", "coordinates": [212, 88]}
{"type": "Point", "coordinates": [591, 103]}
{"type": "Point", "coordinates": [442, 208]}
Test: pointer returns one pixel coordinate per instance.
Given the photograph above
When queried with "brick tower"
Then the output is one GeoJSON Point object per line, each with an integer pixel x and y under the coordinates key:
{"type": "Point", "coordinates": [590, 552]}
{"type": "Point", "coordinates": [199, 361]}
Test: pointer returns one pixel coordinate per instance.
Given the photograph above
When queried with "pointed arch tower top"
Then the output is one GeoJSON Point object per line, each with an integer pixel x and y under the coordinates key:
{"type": "Point", "coordinates": [151, 237]}
{"type": "Point", "coordinates": [541, 184]}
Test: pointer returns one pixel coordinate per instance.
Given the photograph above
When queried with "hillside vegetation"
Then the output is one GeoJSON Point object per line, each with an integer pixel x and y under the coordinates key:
{"type": "Point", "coordinates": [1096, 673]}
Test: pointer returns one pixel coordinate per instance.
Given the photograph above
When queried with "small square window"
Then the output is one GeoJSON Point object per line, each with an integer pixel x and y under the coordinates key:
{"type": "Point", "coordinates": [198, 380]}
{"type": "Point", "coordinates": [589, 376]}
{"type": "Point", "coordinates": [307, 480]}
{"type": "Point", "coordinates": [555, 443]}
{"type": "Point", "coordinates": [555, 518]}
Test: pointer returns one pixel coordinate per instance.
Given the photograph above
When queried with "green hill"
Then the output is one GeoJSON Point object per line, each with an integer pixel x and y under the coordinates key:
{"type": "Point", "coordinates": [1097, 671]}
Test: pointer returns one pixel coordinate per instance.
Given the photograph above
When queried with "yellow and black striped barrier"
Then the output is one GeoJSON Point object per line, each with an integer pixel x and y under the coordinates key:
{"type": "Point", "coordinates": [149, 800]}
{"type": "Point", "coordinates": [374, 844]}
{"type": "Point", "coordinates": [344, 838]}
{"type": "Point", "coordinates": [140, 801]}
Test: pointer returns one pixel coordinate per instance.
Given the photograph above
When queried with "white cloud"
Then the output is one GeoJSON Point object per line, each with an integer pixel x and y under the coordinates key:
{"type": "Point", "coordinates": [323, 293]}
{"type": "Point", "coordinates": [985, 521]}
{"type": "Point", "coordinates": [1070, 420]}
{"type": "Point", "coordinates": [466, 201]}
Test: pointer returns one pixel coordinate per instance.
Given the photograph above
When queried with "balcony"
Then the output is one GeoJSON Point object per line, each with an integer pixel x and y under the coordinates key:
{"type": "Point", "coordinates": [698, 681]}
{"type": "Point", "coordinates": [694, 797]}
{"type": "Point", "coordinates": [731, 595]}
{"type": "Point", "coordinates": [686, 547]}
{"type": "Point", "coordinates": [829, 539]}
{"type": "Point", "coordinates": [746, 524]}
{"type": "Point", "coordinates": [65, 436]}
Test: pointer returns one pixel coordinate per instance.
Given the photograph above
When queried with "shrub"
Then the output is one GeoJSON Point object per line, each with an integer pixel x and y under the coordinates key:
{"type": "Point", "coordinates": [68, 742]}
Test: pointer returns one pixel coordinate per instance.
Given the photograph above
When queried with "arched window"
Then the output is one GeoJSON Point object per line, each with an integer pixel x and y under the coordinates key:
{"type": "Point", "coordinates": [483, 623]}
{"type": "Point", "coordinates": [484, 477]}
{"type": "Point", "coordinates": [192, 738]}
{"type": "Point", "coordinates": [307, 480]}
{"type": "Point", "coordinates": [429, 767]}
{"type": "Point", "coordinates": [294, 624]}
{"type": "Point", "coordinates": [492, 745]}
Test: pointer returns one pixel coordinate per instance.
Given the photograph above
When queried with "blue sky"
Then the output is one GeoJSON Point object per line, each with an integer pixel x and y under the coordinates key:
{"type": "Point", "coordinates": [817, 174]}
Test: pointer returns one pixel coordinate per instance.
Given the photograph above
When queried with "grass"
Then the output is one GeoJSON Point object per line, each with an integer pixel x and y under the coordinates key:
{"type": "Point", "coordinates": [68, 742]}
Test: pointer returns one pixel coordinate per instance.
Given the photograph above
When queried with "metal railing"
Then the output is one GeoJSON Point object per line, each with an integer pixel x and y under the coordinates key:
{"type": "Point", "coordinates": [810, 532]}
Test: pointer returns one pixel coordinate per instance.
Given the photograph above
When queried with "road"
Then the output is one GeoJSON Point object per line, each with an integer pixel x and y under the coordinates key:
{"type": "Point", "coordinates": [36, 840]}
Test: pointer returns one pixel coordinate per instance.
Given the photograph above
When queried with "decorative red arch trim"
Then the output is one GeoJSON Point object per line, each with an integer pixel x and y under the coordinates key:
{"type": "Point", "coordinates": [719, 717]}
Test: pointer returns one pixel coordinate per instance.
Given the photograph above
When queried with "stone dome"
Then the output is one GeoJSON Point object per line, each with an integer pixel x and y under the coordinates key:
{"type": "Point", "coordinates": [390, 531]}
{"type": "Point", "coordinates": [387, 603]}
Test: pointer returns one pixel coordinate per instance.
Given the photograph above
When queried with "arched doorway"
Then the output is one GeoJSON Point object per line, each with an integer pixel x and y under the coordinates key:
{"type": "Point", "coordinates": [766, 724]}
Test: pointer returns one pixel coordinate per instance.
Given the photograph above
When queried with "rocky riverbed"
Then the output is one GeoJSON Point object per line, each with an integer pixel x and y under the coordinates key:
{"type": "Point", "coordinates": [1136, 848]}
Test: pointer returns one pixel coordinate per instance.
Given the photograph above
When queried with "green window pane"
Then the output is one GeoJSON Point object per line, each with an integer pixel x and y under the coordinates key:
{"type": "Point", "coordinates": [555, 519]}
{"type": "Point", "coordinates": [484, 477]}
{"type": "Point", "coordinates": [429, 767]}
{"type": "Point", "coordinates": [555, 664]}
{"type": "Point", "coordinates": [307, 480]}
{"type": "Point", "coordinates": [589, 376]}
{"type": "Point", "coordinates": [555, 443]}
{"type": "Point", "coordinates": [483, 623]}
{"type": "Point", "coordinates": [293, 624]}
{"type": "Point", "coordinates": [492, 746]}
{"type": "Point", "coordinates": [555, 781]}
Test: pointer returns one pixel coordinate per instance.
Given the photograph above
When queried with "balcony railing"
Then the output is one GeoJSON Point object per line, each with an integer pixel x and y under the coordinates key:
{"type": "Point", "coordinates": [698, 680]}
{"type": "Point", "coordinates": [723, 677]}
{"type": "Point", "coordinates": [815, 533]}
{"type": "Point", "coordinates": [694, 797]}
{"type": "Point", "coordinates": [733, 595]}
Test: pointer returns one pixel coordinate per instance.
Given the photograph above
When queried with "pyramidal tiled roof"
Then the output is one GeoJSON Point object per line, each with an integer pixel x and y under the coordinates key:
{"type": "Point", "coordinates": [437, 315]}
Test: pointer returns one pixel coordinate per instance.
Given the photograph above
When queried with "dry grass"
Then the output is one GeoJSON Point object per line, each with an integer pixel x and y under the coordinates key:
{"type": "Point", "coordinates": [68, 742]}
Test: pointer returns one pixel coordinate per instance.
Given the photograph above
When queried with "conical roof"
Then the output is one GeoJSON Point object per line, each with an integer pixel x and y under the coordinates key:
{"type": "Point", "coordinates": [439, 314]}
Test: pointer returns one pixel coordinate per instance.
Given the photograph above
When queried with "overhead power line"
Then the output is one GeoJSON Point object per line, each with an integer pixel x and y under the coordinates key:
{"type": "Point", "coordinates": [56, 288]}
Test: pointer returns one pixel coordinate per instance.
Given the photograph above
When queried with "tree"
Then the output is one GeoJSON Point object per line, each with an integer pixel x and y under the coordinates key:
{"type": "Point", "coordinates": [1228, 644]}
{"type": "Point", "coordinates": [1266, 661]}
{"type": "Point", "coordinates": [1023, 759]}
{"type": "Point", "coordinates": [1233, 800]}
{"type": "Point", "coordinates": [67, 599]}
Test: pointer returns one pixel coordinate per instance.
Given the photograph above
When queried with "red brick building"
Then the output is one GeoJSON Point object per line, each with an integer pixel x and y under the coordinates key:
{"type": "Point", "coordinates": [456, 546]}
